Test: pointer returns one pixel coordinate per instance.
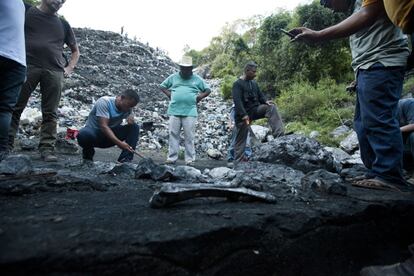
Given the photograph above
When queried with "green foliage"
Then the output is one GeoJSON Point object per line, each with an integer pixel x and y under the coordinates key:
{"type": "Point", "coordinates": [226, 86]}
{"type": "Point", "coordinates": [283, 62]}
{"type": "Point", "coordinates": [309, 79]}
{"type": "Point", "coordinates": [33, 2]}
{"type": "Point", "coordinates": [320, 107]}
{"type": "Point", "coordinates": [408, 85]}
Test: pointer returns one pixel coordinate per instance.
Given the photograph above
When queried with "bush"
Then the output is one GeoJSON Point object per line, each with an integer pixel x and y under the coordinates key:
{"type": "Point", "coordinates": [226, 86]}
{"type": "Point", "coordinates": [322, 107]}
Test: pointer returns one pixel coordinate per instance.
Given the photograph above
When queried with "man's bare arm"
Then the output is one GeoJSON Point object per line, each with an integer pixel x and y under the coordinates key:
{"type": "Point", "coordinates": [166, 92]}
{"type": "Point", "coordinates": [107, 131]}
{"type": "Point", "coordinates": [73, 59]}
{"type": "Point", "coordinates": [354, 23]}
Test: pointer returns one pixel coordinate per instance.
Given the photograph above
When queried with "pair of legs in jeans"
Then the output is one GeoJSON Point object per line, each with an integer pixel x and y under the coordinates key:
{"type": "Point", "coordinates": [91, 138]}
{"type": "Point", "coordinates": [188, 125]}
{"type": "Point", "coordinates": [50, 89]}
{"type": "Point", "coordinates": [262, 111]}
{"type": "Point", "coordinates": [12, 76]}
{"type": "Point", "coordinates": [376, 123]}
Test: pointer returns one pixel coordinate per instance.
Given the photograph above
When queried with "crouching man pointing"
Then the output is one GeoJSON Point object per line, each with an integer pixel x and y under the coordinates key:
{"type": "Point", "coordinates": [103, 127]}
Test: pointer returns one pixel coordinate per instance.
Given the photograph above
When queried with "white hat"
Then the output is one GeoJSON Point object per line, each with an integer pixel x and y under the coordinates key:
{"type": "Point", "coordinates": [186, 61]}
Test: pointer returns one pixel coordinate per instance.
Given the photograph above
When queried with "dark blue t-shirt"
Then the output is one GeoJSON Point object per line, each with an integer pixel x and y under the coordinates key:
{"type": "Point", "coordinates": [406, 111]}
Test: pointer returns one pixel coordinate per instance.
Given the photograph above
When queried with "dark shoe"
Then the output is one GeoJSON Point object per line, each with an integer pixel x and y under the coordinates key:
{"type": "Point", "coordinates": [399, 269]}
{"type": "Point", "coordinates": [48, 156]}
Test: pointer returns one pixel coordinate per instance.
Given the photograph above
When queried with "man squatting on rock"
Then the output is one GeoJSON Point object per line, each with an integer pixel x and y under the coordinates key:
{"type": "Point", "coordinates": [104, 127]}
{"type": "Point", "coordinates": [12, 64]}
{"type": "Point", "coordinates": [250, 104]}
{"type": "Point", "coordinates": [46, 35]}
{"type": "Point", "coordinates": [185, 90]}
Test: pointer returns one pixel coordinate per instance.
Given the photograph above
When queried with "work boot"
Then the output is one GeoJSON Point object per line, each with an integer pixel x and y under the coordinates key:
{"type": "Point", "coordinates": [399, 269]}
{"type": "Point", "coordinates": [48, 156]}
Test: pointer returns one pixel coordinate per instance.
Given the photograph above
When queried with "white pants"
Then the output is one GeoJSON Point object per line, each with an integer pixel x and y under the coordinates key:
{"type": "Point", "coordinates": [188, 125]}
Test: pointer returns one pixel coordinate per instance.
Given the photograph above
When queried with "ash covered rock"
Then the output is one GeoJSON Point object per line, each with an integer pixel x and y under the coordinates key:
{"type": "Point", "coordinates": [296, 151]}
{"type": "Point", "coordinates": [189, 174]}
{"type": "Point", "coordinates": [222, 173]}
{"type": "Point", "coordinates": [125, 169]}
{"type": "Point", "coordinates": [324, 182]}
{"type": "Point", "coordinates": [350, 143]}
{"type": "Point", "coordinates": [268, 177]}
{"type": "Point", "coordinates": [16, 165]}
{"type": "Point", "coordinates": [148, 169]}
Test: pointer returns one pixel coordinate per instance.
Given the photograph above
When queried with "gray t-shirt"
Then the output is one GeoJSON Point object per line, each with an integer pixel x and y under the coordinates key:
{"type": "Point", "coordinates": [105, 107]}
{"type": "Point", "coordinates": [12, 45]}
{"type": "Point", "coordinates": [382, 42]}
{"type": "Point", "coordinates": [406, 112]}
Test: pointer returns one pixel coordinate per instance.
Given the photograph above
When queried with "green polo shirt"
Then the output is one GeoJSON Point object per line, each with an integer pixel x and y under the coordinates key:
{"type": "Point", "coordinates": [183, 94]}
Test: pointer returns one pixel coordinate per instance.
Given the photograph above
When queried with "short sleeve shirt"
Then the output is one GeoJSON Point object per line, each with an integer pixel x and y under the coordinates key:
{"type": "Point", "coordinates": [45, 37]}
{"type": "Point", "coordinates": [406, 112]}
{"type": "Point", "coordinates": [105, 107]}
{"type": "Point", "coordinates": [400, 12]}
{"type": "Point", "coordinates": [183, 94]}
{"type": "Point", "coordinates": [381, 42]}
{"type": "Point", "coordinates": [12, 45]}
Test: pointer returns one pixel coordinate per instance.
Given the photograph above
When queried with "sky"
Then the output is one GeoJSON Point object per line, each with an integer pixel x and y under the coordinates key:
{"type": "Point", "coordinates": [168, 25]}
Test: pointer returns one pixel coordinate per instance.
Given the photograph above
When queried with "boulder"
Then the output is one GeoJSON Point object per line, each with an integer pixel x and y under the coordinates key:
{"type": "Point", "coordinates": [340, 131]}
{"type": "Point", "coordinates": [219, 173]}
{"type": "Point", "coordinates": [296, 151]}
{"type": "Point", "coordinates": [260, 132]}
{"type": "Point", "coordinates": [325, 182]}
{"type": "Point", "coordinates": [16, 165]}
{"type": "Point", "coordinates": [350, 143]}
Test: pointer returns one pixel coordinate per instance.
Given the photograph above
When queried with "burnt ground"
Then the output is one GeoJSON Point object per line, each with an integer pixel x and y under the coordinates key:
{"type": "Point", "coordinates": [75, 224]}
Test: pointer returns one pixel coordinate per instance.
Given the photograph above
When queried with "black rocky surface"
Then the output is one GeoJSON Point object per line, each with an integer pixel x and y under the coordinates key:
{"type": "Point", "coordinates": [71, 218]}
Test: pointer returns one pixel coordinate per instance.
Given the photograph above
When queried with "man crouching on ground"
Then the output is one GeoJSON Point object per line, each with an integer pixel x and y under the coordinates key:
{"type": "Point", "coordinates": [103, 127]}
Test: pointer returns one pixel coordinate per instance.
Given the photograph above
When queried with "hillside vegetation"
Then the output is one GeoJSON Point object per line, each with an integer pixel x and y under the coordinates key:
{"type": "Point", "coordinates": [307, 81]}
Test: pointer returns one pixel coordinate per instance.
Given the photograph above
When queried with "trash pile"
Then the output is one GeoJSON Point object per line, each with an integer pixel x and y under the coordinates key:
{"type": "Point", "coordinates": [110, 63]}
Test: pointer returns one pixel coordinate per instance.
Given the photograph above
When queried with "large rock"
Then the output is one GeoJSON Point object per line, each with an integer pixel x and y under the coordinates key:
{"type": "Point", "coordinates": [340, 131]}
{"type": "Point", "coordinates": [260, 132]}
{"type": "Point", "coordinates": [188, 174]}
{"type": "Point", "coordinates": [16, 165]}
{"type": "Point", "coordinates": [350, 143]}
{"type": "Point", "coordinates": [296, 151]}
{"type": "Point", "coordinates": [324, 182]}
{"type": "Point", "coordinates": [339, 156]}
{"type": "Point", "coordinates": [148, 169]}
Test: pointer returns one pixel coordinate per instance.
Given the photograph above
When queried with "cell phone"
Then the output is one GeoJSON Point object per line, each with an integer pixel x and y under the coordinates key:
{"type": "Point", "coordinates": [287, 33]}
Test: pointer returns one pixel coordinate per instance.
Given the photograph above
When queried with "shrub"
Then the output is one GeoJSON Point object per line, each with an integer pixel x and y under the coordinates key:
{"type": "Point", "coordinates": [226, 86]}
{"type": "Point", "coordinates": [322, 107]}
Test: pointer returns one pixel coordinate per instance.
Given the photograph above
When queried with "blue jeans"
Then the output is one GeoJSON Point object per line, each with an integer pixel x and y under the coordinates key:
{"type": "Point", "coordinates": [90, 138]}
{"type": "Point", "coordinates": [376, 122]}
{"type": "Point", "coordinates": [12, 76]}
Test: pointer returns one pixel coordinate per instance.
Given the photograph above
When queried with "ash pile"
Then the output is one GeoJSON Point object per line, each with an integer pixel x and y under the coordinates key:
{"type": "Point", "coordinates": [110, 63]}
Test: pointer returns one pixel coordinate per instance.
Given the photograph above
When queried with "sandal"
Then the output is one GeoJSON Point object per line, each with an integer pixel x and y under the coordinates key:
{"type": "Point", "coordinates": [375, 183]}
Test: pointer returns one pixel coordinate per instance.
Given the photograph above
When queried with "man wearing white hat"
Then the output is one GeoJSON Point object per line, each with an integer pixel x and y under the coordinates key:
{"type": "Point", "coordinates": [185, 90]}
